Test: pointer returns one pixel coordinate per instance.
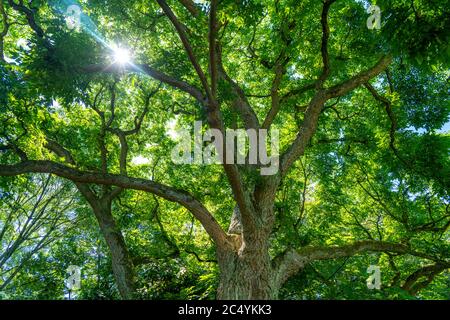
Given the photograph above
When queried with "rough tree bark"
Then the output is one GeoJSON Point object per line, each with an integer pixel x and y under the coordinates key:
{"type": "Point", "coordinates": [246, 274]}
{"type": "Point", "coordinates": [245, 266]}
{"type": "Point", "coordinates": [122, 263]}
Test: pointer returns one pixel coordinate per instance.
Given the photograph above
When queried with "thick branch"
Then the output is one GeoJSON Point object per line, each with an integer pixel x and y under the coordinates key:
{"type": "Point", "coordinates": [412, 283]}
{"type": "Point", "coordinates": [19, 7]}
{"type": "Point", "coordinates": [293, 261]}
{"type": "Point", "coordinates": [184, 39]}
{"type": "Point", "coordinates": [307, 130]}
{"type": "Point", "coordinates": [185, 199]}
{"type": "Point", "coordinates": [213, 61]}
{"type": "Point", "coordinates": [313, 111]}
{"type": "Point", "coordinates": [359, 79]}
{"type": "Point", "coordinates": [152, 72]}
{"type": "Point", "coordinates": [240, 102]}
{"type": "Point", "coordinates": [231, 170]}
{"type": "Point", "coordinates": [280, 70]}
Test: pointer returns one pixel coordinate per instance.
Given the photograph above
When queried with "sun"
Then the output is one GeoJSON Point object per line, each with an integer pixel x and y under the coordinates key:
{"type": "Point", "coordinates": [121, 56]}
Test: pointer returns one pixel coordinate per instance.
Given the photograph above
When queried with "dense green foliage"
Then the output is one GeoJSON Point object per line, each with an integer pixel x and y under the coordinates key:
{"type": "Point", "coordinates": [377, 167]}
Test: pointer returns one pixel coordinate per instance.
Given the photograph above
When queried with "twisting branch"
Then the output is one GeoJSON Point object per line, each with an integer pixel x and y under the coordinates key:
{"type": "Point", "coordinates": [280, 70]}
{"type": "Point", "coordinates": [61, 152]}
{"type": "Point", "coordinates": [393, 128]}
{"type": "Point", "coordinates": [240, 102]}
{"type": "Point", "coordinates": [165, 236]}
{"type": "Point", "coordinates": [101, 207]}
{"type": "Point", "coordinates": [18, 151]}
{"type": "Point", "coordinates": [413, 284]}
{"type": "Point", "coordinates": [19, 7]}
{"type": "Point", "coordinates": [309, 125]}
{"type": "Point", "coordinates": [4, 30]}
{"type": "Point", "coordinates": [392, 118]}
{"type": "Point", "coordinates": [215, 121]}
{"type": "Point", "coordinates": [184, 39]}
{"type": "Point", "coordinates": [213, 64]}
{"type": "Point", "coordinates": [123, 134]}
{"type": "Point", "coordinates": [324, 46]}
{"type": "Point", "coordinates": [102, 132]}
{"type": "Point", "coordinates": [292, 261]}
{"type": "Point", "coordinates": [198, 257]}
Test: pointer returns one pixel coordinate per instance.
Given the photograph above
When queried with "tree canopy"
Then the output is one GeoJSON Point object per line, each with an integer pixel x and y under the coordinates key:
{"type": "Point", "coordinates": [94, 95]}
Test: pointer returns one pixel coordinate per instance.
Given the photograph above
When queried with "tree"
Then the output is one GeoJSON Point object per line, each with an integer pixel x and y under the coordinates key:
{"type": "Point", "coordinates": [344, 97]}
{"type": "Point", "coordinates": [32, 218]}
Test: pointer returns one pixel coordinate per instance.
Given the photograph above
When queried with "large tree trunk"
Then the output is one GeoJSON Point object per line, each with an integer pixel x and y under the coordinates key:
{"type": "Point", "coordinates": [247, 273]}
{"type": "Point", "coordinates": [122, 264]}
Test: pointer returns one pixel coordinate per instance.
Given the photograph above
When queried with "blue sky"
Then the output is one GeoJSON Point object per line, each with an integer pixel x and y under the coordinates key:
{"type": "Point", "coordinates": [445, 128]}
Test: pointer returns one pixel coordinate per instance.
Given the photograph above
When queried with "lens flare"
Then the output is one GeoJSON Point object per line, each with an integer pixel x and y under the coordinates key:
{"type": "Point", "coordinates": [121, 56]}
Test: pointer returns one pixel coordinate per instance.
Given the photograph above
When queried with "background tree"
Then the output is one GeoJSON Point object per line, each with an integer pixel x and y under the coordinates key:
{"type": "Point", "coordinates": [35, 212]}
